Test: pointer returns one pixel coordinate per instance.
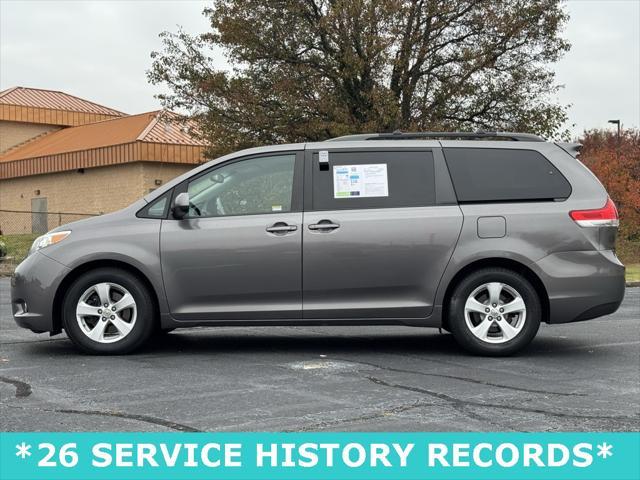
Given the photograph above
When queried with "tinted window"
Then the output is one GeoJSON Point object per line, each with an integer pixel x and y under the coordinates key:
{"type": "Point", "coordinates": [378, 180]}
{"type": "Point", "coordinates": [248, 187]}
{"type": "Point", "coordinates": [491, 174]}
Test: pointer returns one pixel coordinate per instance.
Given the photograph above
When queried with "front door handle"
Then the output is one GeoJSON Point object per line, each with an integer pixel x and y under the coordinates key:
{"type": "Point", "coordinates": [324, 225]}
{"type": "Point", "coordinates": [281, 228]}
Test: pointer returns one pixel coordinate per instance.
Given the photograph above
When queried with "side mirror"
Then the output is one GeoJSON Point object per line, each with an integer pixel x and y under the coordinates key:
{"type": "Point", "coordinates": [181, 206]}
{"type": "Point", "coordinates": [216, 178]}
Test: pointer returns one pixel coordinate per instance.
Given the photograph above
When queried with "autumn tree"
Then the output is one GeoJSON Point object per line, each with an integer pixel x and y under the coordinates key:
{"type": "Point", "coordinates": [616, 162]}
{"type": "Point", "coordinates": [305, 70]}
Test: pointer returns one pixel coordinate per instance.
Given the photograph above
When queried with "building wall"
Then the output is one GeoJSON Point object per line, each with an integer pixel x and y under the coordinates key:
{"type": "Point", "coordinates": [161, 171]}
{"type": "Point", "coordinates": [15, 133]}
{"type": "Point", "coordinates": [96, 191]}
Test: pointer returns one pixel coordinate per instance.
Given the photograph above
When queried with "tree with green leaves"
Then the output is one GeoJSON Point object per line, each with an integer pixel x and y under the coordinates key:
{"type": "Point", "coordinates": [308, 70]}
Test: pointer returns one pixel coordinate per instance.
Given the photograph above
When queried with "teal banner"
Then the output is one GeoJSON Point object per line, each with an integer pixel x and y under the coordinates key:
{"type": "Point", "coordinates": [273, 456]}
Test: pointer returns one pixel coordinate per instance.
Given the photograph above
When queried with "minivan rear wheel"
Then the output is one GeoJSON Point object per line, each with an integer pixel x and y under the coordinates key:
{"type": "Point", "coordinates": [494, 311]}
{"type": "Point", "coordinates": [108, 311]}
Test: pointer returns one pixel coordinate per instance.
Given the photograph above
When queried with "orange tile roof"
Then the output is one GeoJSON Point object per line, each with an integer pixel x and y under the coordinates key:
{"type": "Point", "coordinates": [39, 98]}
{"type": "Point", "coordinates": [152, 127]}
{"type": "Point", "coordinates": [167, 128]}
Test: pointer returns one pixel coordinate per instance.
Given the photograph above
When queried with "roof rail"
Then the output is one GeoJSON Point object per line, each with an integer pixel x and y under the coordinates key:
{"type": "Point", "coordinates": [479, 135]}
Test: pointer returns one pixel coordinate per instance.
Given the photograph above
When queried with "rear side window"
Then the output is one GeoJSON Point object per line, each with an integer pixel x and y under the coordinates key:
{"type": "Point", "coordinates": [387, 179]}
{"type": "Point", "coordinates": [502, 175]}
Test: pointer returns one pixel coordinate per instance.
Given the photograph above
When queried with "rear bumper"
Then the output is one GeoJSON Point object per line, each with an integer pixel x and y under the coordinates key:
{"type": "Point", "coordinates": [581, 285]}
{"type": "Point", "coordinates": [33, 288]}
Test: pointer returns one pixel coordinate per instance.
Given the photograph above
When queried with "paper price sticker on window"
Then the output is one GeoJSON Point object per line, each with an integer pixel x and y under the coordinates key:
{"type": "Point", "coordinates": [360, 181]}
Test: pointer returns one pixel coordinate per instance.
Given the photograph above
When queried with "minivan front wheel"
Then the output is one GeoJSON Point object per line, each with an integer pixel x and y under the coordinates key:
{"type": "Point", "coordinates": [494, 311]}
{"type": "Point", "coordinates": [108, 311]}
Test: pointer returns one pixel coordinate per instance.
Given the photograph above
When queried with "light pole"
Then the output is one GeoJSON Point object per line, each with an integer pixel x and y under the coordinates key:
{"type": "Point", "coordinates": [616, 122]}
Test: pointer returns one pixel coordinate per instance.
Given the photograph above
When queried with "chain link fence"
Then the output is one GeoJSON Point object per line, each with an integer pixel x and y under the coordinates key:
{"type": "Point", "coordinates": [18, 230]}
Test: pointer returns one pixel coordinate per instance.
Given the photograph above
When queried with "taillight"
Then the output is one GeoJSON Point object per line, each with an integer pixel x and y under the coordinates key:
{"type": "Point", "coordinates": [606, 216]}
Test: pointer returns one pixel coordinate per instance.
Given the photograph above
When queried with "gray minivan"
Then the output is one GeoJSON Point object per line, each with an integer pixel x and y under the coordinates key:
{"type": "Point", "coordinates": [485, 235]}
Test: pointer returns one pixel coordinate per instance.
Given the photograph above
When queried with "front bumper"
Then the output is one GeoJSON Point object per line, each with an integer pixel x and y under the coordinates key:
{"type": "Point", "coordinates": [33, 288]}
{"type": "Point", "coordinates": [581, 284]}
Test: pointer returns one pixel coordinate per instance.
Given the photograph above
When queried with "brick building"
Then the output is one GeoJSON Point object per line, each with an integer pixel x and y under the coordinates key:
{"type": "Point", "coordinates": [60, 153]}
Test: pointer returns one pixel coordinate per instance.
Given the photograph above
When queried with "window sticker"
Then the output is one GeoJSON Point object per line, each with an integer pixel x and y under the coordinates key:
{"type": "Point", "coordinates": [360, 181]}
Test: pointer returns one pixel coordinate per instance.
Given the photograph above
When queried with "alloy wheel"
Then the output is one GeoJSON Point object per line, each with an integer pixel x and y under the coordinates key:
{"type": "Point", "coordinates": [495, 312]}
{"type": "Point", "coordinates": [106, 312]}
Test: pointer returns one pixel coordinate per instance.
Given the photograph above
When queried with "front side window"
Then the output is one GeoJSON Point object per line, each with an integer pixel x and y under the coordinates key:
{"type": "Point", "coordinates": [248, 187]}
{"type": "Point", "coordinates": [159, 208]}
{"type": "Point", "coordinates": [156, 209]}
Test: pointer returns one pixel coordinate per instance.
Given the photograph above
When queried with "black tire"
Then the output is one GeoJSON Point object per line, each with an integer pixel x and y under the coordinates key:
{"type": "Point", "coordinates": [142, 328]}
{"type": "Point", "coordinates": [462, 332]}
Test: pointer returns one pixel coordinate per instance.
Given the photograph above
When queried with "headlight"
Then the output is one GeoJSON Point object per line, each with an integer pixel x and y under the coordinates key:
{"type": "Point", "coordinates": [48, 239]}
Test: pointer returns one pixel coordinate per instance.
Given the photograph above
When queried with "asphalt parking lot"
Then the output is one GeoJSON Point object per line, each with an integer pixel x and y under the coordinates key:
{"type": "Point", "coordinates": [582, 377]}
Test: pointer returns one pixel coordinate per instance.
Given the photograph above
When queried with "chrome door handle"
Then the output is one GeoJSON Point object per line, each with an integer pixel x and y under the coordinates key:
{"type": "Point", "coordinates": [281, 227]}
{"type": "Point", "coordinates": [324, 225]}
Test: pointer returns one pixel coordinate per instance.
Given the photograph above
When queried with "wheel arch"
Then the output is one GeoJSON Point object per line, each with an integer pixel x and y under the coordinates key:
{"type": "Point", "coordinates": [92, 265]}
{"type": "Point", "coordinates": [507, 263]}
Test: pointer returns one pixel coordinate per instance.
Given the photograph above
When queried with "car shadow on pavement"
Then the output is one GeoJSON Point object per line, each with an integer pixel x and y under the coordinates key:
{"type": "Point", "coordinates": [210, 342]}
{"type": "Point", "coordinates": [419, 343]}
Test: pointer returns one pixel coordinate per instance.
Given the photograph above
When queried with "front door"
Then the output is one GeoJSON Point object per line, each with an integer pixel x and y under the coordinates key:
{"type": "Point", "coordinates": [237, 254]}
{"type": "Point", "coordinates": [376, 242]}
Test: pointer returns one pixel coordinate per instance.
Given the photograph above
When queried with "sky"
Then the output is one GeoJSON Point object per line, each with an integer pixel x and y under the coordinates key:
{"type": "Point", "coordinates": [99, 50]}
